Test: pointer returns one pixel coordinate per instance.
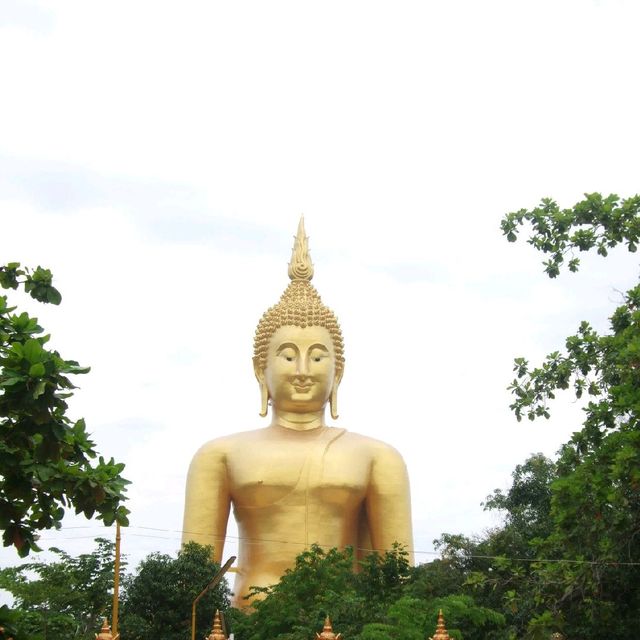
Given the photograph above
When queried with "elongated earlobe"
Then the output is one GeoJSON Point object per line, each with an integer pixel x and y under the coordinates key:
{"type": "Point", "coordinates": [264, 392]}
{"type": "Point", "coordinates": [333, 402]}
{"type": "Point", "coordinates": [264, 399]}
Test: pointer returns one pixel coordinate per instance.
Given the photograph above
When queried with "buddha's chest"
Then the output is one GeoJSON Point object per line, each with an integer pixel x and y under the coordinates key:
{"type": "Point", "coordinates": [297, 473]}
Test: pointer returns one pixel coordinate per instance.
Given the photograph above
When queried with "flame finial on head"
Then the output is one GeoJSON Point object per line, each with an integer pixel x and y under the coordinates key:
{"type": "Point", "coordinates": [301, 267]}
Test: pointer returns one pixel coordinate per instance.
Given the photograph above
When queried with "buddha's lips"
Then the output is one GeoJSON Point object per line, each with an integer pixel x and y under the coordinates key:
{"type": "Point", "coordinates": [302, 387]}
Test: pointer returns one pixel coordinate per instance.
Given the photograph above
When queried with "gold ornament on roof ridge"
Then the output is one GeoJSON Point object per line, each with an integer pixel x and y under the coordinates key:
{"type": "Point", "coordinates": [300, 305]}
{"type": "Point", "coordinates": [105, 632]}
{"type": "Point", "coordinates": [441, 631]}
{"type": "Point", "coordinates": [327, 632]}
{"type": "Point", "coordinates": [217, 633]}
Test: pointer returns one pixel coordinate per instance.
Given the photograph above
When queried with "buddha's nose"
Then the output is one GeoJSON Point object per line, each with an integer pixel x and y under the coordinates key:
{"type": "Point", "coordinates": [302, 368]}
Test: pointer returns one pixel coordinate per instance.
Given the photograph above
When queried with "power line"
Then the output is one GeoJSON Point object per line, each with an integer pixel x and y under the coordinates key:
{"type": "Point", "coordinates": [303, 545]}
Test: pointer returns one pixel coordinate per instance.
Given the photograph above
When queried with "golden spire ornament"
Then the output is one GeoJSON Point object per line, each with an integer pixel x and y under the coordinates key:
{"type": "Point", "coordinates": [327, 632]}
{"type": "Point", "coordinates": [217, 633]}
{"type": "Point", "coordinates": [105, 632]}
{"type": "Point", "coordinates": [441, 631]}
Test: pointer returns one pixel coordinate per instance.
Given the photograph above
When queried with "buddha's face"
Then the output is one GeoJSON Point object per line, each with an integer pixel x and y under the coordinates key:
{"type": "Point", "coordinates": [301, 368]}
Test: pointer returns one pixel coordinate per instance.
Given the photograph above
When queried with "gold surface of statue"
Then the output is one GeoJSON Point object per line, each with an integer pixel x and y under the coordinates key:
{"type": "Point", "coordinates": [297, 481]}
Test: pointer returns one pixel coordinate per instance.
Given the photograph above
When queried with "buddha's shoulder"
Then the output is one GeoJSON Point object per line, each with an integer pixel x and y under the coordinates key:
{"type": "Point", "coordinates": [373, 445]}
{"type": "Point", "coordinates": [232, 440]}
{"type": "Point", "coordinates": [247, 440]}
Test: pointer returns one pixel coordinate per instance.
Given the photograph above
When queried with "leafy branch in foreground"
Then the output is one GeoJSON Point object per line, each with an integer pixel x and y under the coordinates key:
{"type": "Point", "coordinates": [595, 499]}
{"type": "Point", "coordinates": [597, 222]}
{"type": "Point", "coordinates": [45, 458]}
{"type": "Point", "coordinates": [603, 367]}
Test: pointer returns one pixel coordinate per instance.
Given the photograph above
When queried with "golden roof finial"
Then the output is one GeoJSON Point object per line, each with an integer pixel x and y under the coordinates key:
{"type": "Point", "coordinates": [441, 631]}
{"type": "Point", "coordinates": [217, 633]}
{"type": "Point", "coordinates": [301, 267]}
{"type": "Point", "coordinates": [327, 632]}
{"type": "Point", "coordinates": [105, 632]}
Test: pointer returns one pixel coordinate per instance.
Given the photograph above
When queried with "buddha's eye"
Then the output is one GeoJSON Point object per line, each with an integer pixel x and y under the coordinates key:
{"type": "Point", "coordinates": [288, 354]}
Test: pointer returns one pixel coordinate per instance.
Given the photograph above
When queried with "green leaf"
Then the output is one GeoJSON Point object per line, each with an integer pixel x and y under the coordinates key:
{"type": "Point", "coordinates": [36, 370]}
{"type": "Point", "coordinates": [17, 349]}
{"type": "Point", "coordinates": [39, 389]}
{"type": "Point", "coordinates": [53, 295]}
{"type": "Point", "coordinates": [32, 350]}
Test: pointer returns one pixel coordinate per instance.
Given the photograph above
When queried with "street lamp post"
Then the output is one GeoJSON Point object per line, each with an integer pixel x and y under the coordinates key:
{"type": "Point", "coordinates": [213, 583]}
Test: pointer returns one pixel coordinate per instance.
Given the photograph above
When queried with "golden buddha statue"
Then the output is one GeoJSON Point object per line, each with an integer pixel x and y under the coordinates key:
{"type": "Point", "coordinates": [297, 481]}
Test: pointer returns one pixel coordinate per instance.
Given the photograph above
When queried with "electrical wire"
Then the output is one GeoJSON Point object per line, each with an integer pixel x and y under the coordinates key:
{"type": "Point", "coordinates": [303, 545]}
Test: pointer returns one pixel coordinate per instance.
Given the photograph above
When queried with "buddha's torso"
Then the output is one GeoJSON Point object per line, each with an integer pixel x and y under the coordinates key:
{"type": "Point", "coordinates": [290, 489]}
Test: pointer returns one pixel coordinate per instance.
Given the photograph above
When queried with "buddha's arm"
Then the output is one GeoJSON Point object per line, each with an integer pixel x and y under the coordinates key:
{"type": "Point", "coordinates": [207, 500]}
{"type": "Point", "coordinates": [388, 502]}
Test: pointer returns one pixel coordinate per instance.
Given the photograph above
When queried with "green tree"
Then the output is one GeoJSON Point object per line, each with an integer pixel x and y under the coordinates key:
{"type": "Point", "coordinates": [157, 599]}
{"type": "Point", "coordinates": [527, 503]}
{"type": "Point", "coordinates": [9, 629]}
{"type": "Point", "coordinates": [321, 583]}
{"type": "Point", "coordinates": [440, 577]}
{"type": "Point", "coordinates": [497, 569]}
{"type": "Point", "coordinates": [66, 598]}
{"type": "Point", "coordinates": [414, 619]}
{"type": "Point", "coordinates": [45, 458]}
{"type": "Point", "coordinates": [381, 580]}
{"type": "Point", "coordinates": [379, 601]}
{"type": "Point", "coordinates": [489, 571]}
{"type": "Point", "coordinates": [406, 619]}
{"type": "Point", "coordinates": [595, 501]}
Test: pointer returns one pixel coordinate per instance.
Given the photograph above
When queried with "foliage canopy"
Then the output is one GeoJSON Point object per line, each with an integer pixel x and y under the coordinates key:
{"type": "Point", "coordinates": [382, 600]}
{"type": "Point", "coordinates": [45, 458]}
{"type": "Point", "coordinates": [67, 598]}
{"type": "Point", "coordinates": [595, 498]}
{"type": "Point", "coordinates": [157, 598]}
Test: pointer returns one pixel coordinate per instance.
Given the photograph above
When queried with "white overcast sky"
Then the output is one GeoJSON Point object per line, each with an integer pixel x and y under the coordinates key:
{"type": "Point", "coordinates": [156, 157]}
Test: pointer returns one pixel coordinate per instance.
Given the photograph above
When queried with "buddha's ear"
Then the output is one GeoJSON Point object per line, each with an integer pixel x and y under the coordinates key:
{"type": "Point", "coordinates": [264, 392]}
{"type": "Point", "coordinates": [333, 398]}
